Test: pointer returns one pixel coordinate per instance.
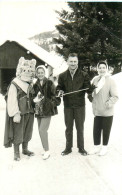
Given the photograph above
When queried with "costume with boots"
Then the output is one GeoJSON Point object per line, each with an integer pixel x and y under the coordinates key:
{"type": "Point", "coordinates": [20, 108]}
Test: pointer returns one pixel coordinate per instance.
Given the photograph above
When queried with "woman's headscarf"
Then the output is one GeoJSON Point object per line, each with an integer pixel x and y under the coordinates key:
{"type": "Point", "coordinates": [101, 79]}
{"type": "Point", "coordinates": [105, 63]}
{"type": "Point", "coordinates": [41, 67]}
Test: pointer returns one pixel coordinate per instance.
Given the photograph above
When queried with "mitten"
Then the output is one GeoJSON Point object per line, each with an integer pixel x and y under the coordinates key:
{"type": "Point", "coordinates": [17, 118]}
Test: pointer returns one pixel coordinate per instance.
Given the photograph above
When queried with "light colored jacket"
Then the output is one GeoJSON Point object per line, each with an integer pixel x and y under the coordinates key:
{"type": "Point", "coordinates": [104, 100]}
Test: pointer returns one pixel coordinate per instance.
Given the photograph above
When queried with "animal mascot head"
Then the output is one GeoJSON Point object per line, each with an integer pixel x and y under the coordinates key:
{"type": "Point", "coordinates": [26, 69]}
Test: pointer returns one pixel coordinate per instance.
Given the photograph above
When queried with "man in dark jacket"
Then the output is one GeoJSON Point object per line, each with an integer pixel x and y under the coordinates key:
{"type": "Point", "coordinates": [73, 79]}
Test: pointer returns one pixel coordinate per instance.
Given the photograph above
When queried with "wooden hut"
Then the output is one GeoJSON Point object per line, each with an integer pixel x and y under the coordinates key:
{"type": "Point", "coordinates": [12, 50]}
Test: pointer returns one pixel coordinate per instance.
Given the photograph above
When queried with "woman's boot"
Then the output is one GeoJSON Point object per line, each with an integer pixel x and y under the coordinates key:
{"type": "Point", "coordinates": [46, 155]}
{"type": "Point", "coordinates": [25, 149]}
{"type": "Point", "coordinates": [96, 149]}
{"type": "Point", "coordinates": [16, 152]}
{"type": "Point", "coordinates": [103, 151]}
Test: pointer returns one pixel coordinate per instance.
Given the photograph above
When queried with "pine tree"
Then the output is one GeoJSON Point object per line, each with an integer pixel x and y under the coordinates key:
{"type": "Point", "coordinates": [93, 30]}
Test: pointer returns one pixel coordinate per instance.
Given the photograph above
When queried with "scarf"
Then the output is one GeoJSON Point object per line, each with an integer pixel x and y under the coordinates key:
{"type": "Point", "coordinates": [100, 80]}
{"type": "Point", "coordinates": [100, 84]}
{"type": "Point", "coordinates": [22, 84]}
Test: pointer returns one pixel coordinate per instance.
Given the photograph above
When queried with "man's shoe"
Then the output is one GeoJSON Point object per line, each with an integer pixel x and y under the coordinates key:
{"type": "Point", "coordinates": [83, 152]}
{"type": "Point", "coordinates": [66, 152]}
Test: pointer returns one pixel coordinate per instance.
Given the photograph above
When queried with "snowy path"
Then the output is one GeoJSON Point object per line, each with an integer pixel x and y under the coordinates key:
{"type": "Point", "coordinates": [68, 175]}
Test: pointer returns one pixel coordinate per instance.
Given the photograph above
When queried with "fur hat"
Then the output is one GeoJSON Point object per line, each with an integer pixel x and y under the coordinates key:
{"type": "Point", "coordinates": [26, 69]}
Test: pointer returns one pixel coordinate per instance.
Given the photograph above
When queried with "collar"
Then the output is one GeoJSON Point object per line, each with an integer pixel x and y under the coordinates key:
{"type": "Point", "coordinates": [44, 81]}
{"type": "Point", "coordinates": [22, 84]}
{"type": "Point", "coordinates": [72, 73]}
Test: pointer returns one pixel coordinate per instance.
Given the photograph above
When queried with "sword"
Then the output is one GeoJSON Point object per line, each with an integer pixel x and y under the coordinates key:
{"type": "Point", "coordinates": [74, 92]}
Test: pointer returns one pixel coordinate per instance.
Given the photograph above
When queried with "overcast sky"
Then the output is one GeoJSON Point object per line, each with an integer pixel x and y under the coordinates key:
{"type": "Point", "coordinates": [28, 18]}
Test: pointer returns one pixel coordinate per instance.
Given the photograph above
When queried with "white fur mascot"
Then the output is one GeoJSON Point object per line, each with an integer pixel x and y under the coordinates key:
{"type": "Point", "coordinates": [19, 109]}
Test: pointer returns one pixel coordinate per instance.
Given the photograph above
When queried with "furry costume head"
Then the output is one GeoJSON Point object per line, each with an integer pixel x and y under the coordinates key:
{"type": "Point", "coordinates": [26, 69]}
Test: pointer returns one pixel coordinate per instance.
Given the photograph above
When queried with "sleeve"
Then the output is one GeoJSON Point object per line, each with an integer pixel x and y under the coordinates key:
{"type": "Point", "coordinates": [113, 95]}
{"type": "Point", "coordinates": [56, 100]}
{"type": "Point", "coordinates": [60, 85]}
{"type": "Point", "coordinates": [36, 90]}
{"type": "Point", "coordinates": [12, 102]}
{"type": "Point", "coordinates": [53, 89]}
{"type": "Point", "coordinates": [86, 83]}
{"type": "Point", "coordinates": [90, 91]}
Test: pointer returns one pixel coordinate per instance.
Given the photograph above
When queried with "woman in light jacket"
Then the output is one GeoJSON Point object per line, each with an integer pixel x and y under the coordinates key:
{"type": "Point", "coordinates": [46, 107]}
{"type": "Point", "coordinates": [104, 97]}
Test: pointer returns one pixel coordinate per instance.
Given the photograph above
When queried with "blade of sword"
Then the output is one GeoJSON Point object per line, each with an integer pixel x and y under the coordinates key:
{"type": "Point", "coordinates": [75, 91]}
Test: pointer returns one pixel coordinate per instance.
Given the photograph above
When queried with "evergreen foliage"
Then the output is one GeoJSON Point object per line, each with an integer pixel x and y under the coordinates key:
{"type": "Point", "coordinates": [93, 30]}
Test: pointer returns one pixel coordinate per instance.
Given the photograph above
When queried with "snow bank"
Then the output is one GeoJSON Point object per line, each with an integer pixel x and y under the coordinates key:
{"type": "Point", "coordinates": [69, 175]}
{"type": "Point", "coordinates": [2, 102]}
{"type": "Point", "coordinates": [118, 79]}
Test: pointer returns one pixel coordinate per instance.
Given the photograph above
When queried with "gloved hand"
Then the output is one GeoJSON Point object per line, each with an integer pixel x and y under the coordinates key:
{"type": "Point", "coordinates": [90, 97]}
{"type": "Point", "coordinates": [17, 118]}
{"type": "Point", "coordinates": [60, 93]}
{"type": "Point", "coordinates": [91, 88]}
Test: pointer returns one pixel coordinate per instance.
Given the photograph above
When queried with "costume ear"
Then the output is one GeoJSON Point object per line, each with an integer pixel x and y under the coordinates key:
{"type": "Point", "coordinates": [21, 60]}
{"type": "Point", "coordinates": [33, 62]}
{"type": "Point", "coordinates": [20, 63]}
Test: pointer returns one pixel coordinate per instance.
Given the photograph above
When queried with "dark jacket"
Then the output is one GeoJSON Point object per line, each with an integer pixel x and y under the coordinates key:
{"type": "Point", "coordinates": [50, 102]}
{"type": "Point", "coordinates": [80, 81]}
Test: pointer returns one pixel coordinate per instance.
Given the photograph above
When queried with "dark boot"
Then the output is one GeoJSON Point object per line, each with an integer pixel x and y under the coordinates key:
{"type": "Point", "coordinates": [25, 149]}
{"type": "Point", "coordinates": [83, 152]}
{"type": "Point", "coordinates": [66, 151]}
{"type": "Point", "coordinates": [16, 152]}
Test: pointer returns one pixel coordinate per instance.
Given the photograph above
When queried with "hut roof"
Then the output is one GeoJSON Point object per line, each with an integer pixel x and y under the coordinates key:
{"type": "Point", "coordinates": [38, 51]}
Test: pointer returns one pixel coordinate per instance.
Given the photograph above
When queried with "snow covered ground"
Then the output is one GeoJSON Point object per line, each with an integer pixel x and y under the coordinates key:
{"type": "Point", "coordinates": [68, 175]}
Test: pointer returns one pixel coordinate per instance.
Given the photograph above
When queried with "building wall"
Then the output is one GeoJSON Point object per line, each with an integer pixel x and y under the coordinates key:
{"type": "Point", "coordinates": [10, 53]}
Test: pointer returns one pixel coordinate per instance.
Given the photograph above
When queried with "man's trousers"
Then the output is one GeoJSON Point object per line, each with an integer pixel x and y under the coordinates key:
{"type": "Point", "coordinates": [77, 115]}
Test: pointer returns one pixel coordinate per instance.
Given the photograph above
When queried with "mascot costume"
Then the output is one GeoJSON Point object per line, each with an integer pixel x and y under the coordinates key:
{"type": "Point", "coordinates": [20, 108]}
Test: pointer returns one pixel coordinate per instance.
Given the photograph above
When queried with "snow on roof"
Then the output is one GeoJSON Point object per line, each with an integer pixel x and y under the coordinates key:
{"type": "Point", "coordinates": [38, 51]}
